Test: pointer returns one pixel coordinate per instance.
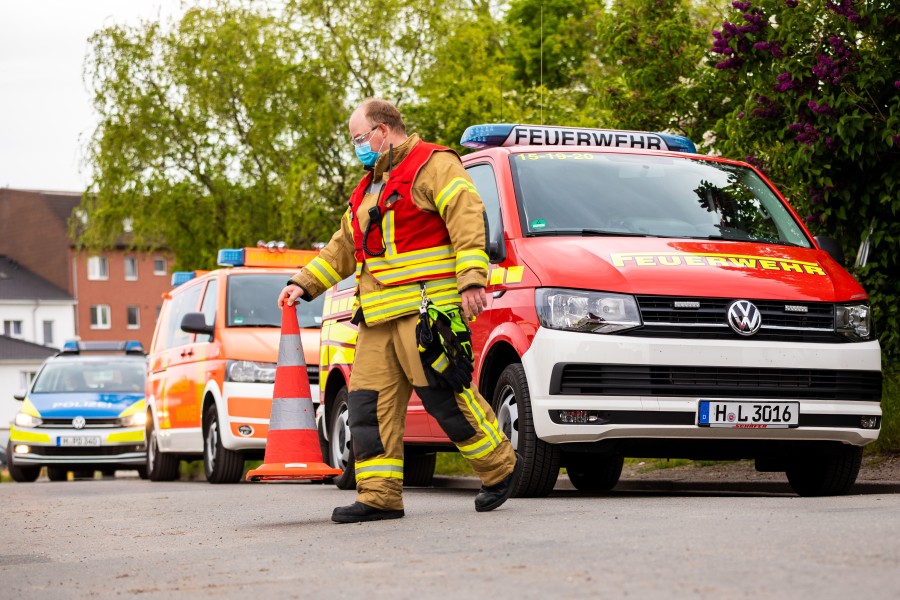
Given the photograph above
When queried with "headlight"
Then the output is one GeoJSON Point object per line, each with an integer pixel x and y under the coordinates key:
{"type": "Point", "coordinates": [853, 321]}
{"type": "Point", "coordinates": [593, 312]}
{"type": "Point", "coordinates": [23, 420]}
{"type": "Point", "coordinates": [138, 419]}
{"type": "Point", "coordinates": [245, 371]}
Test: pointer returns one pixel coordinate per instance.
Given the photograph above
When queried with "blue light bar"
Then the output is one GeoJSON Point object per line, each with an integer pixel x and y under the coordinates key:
{"type": "Point", "coordinates": [179, 277]}
{"type": "Point", "coordinates": [133, 347]}
{"type": "Point", "coordinates": [503, 134]}
{"type": "Point", "coordinates": [486, 136]}
{"type": "Point", "coordinates": [70, 346]}
{"type": "Point", "coordinates": [76, 347]}
{"type": "Point", "coordinates": [231, 257]}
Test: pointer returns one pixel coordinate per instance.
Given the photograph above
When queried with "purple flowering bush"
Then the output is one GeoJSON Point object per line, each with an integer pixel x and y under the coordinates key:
{"type": "Point", "coordinates": [812, 93]}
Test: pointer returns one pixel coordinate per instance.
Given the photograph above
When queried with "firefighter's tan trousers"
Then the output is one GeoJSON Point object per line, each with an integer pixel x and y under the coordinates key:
{"type": "Point", "coordinates": [386, 370]}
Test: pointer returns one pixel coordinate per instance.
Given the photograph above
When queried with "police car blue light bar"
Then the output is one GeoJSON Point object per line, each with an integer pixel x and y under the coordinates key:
{"type": "Point", "coordinates": [76, 347]}
{"type": "Point", "coordinates": [179, 277]}
{"type": "Point", "coordinates": [491, 135]}
{"type": "Point", "coordinates": [231, 257]}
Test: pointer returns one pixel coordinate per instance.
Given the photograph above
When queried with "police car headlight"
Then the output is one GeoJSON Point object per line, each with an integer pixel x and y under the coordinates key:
{"type": "Point", "coordinates": [245, 371]}
{"type": "Point", "coordinates": [23, 420]}
{"type": "Point", "coordinates": [853, 321]}
{"type": "Point", "coordinates": [138, 419]}
{"type": "Point", "coordinates": [592, 312]}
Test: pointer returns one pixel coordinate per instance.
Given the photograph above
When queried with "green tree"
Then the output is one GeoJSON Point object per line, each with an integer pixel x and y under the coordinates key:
{"type": "Point", "coordinates": [229, 125]}
{"type": "Point", "coordinates": [649, 59]}
{"type": "Point", "coordinates": [815, 102]}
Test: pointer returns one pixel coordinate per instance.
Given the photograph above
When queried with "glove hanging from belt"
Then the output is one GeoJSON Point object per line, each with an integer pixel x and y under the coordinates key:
{"type": "Point", "coordinates": [445, 346]}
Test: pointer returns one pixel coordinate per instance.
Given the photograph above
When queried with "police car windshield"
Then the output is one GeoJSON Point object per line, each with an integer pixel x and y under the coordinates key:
{"type": "Point", "coordinates": [70, 375]}
{"type": "Point", "coordinates": [589, 193]}
{"type": "Point", "coordinates": [252, 301]}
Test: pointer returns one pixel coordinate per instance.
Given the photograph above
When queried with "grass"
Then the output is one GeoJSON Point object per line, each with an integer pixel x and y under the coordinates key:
{"type": "Point", "coordinates": [452, 463]}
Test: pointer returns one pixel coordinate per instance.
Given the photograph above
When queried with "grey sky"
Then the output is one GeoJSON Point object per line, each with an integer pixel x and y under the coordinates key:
{"type": "Point", "coordinates": [45, 111]}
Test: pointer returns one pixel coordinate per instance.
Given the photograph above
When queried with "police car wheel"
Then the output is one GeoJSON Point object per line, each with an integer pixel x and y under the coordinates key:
{"type": "Point", "coordinates": [220, 464]}
{"type": "Point", "coordinates": [825, 474]}
{"type": "Point", "coordinates": [57, 474]}
{"type": "Point", "coordinates": [512, 404]}
{"type": "Point", "coordinates": [23, 474]}
{"type": "Point", "coordinates": [142, 472]}
{"type": "Point", "coordinates": [592, 473]}
{"type": "Point", "coordinates": [340, 446]}
{"type": "Point", "coordinates": [160, 466]}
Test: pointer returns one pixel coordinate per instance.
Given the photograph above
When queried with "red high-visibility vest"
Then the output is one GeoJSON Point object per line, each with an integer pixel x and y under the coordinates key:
{"type": "Point", "coordinates": [416, 243]}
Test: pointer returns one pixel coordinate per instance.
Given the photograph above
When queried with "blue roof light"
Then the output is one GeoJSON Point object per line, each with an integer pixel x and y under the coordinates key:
{"type": "Point", "coordinates": [678, 143]}
{"type": "Point", "coordinates": [231, 257]}
{"type": "Point", "coordinates": [179, 277]}
{"type": "Point", "coordinates": [486, 136]}
{"type": "Point", "coordinates": [70, 346]}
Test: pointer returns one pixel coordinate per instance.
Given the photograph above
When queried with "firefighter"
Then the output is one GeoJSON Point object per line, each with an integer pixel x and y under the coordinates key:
{"type": "Point", "coordinates": [414, 235]}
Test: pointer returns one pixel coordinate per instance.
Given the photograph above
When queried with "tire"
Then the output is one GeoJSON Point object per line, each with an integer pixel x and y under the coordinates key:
{"type": "Point", "coordinates": [826, 474]}
{"type": "Point", "coordinates": [142, 472]}
{"type": "Point", "coordinates": [160, 466]}
{"type": "Point", "coordinates": [83, 474]}
{"type": "Point", "coordinates": [418, 469]}
{"type": "Point", "coordinates": [220, 464]}
{"type": "Point", "coordinates": [340, 446]}
{"type": "Point", "coordinates": [108, 473]}
{"type": "Point", "coordinates": [57, 474]}
{"type": "Point", "coordinates": [24, 474]}
{"type": "Point", "coordinates": [592, 473]}
{"type": "Point", "coordinates": [512, 404]}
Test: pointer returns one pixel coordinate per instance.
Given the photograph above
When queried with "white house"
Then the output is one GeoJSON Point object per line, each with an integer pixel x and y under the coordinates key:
{"type": "Point", "coordinates": [36, 319]}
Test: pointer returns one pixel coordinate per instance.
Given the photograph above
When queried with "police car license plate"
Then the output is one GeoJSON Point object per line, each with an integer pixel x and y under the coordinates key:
{"type": "Point", "coordinates": [85, 440]}
{"type": "Point", "coordinates": [748, 415]}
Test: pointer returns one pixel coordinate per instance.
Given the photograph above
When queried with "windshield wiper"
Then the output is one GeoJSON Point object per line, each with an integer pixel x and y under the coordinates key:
{"type": "Point", "coordinates": [751, 240]}
{"type": "Point", "coordinates": [589, 232]}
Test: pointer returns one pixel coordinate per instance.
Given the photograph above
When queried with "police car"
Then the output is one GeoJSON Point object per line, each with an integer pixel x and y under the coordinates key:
{"type": "Point", "coordinates": [83, 412]}
{"type": "Point", "coordinates": [648, 301]}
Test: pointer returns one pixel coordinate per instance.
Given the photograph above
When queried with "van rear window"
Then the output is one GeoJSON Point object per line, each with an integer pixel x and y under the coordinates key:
{"type": "Point", "coordinates": [252, 302]}
{"type": "Point", "coordinates": [590, 193]}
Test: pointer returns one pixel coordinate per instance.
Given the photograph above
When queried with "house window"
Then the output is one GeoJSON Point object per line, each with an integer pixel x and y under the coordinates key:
{"type": "Point", "coordinates": [48, 333]}
{"type": "Point", "coordinates": [159, 266]}
{"type": "Point", "coordinates": [100, 316]}
{"type": "Point", "coordinates": [25, 379]}
{"type": "Point", "coordinates": [12, 328]}
{"type": "Point", "coordinates": [131, 268]}
{"type": "Point", "coordinates": [98, 268]}
{"type": "Point", "coordinates": [134, 317]}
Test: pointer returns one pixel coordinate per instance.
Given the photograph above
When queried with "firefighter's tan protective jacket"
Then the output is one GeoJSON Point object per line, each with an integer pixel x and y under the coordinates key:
{"type": "Point", "coordinates": [463, 217]}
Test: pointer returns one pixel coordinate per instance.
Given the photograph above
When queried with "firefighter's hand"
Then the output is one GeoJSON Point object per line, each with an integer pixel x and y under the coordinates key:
{"type": "Point", "coordinates": [289, 294]}
{"type": "Point", "coordinates": [474, 302]}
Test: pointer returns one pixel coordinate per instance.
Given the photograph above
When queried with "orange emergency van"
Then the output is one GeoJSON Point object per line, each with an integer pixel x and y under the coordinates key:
{"type": "Point", "coordinates": [211, 367]}
{"type": "Point", "coordinates": [647, 301]}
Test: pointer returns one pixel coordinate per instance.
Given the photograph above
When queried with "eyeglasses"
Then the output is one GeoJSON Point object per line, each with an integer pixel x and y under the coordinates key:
{"type": "Point", "coordinates": [361, 138]}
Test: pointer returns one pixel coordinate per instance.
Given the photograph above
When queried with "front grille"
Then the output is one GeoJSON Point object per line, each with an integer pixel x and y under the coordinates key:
{"type": "Point", "coordinates": [313, 372]}
{"type": "Point", "coordinates": [89, 423]}
{"type": "Point", "coordinates": [662, 319]}
{"type": "Point", "coordinates": [86, 450]}
{"type": "Point", "coordinates": [715, 382]}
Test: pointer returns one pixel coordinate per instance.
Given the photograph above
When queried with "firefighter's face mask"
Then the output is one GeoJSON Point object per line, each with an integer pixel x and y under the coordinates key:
{"type": "Point", "coordinates": [363, 146]}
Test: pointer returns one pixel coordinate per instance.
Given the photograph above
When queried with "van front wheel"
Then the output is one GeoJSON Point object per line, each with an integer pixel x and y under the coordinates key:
{"type": "Point", "coordinates": [220, 464]}
{"type": "Point", "coordinates": [340, 446]}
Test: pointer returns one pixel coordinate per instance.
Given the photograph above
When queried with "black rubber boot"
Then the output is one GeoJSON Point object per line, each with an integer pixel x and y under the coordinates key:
{"type": "Point", "coordinates": [492, 496]}
{"type": "Point", "coordinates": [359, 512]}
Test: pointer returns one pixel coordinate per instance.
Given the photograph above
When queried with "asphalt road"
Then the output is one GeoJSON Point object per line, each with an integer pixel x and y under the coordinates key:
{"type": "Point", "coordinates": [647, 539]}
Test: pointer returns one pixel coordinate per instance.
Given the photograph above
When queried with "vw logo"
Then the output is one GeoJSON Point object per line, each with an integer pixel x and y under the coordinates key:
{"type": "Point", "coordinates": [744, 318]}
{"type": "Point", "coordinates": [78, 422]}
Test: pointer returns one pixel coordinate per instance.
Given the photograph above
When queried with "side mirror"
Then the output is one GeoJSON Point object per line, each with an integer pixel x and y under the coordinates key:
{"type": "Point", "coordinates": [496, 248]}
{"type": "Point", "coordinates": [196, 323]}
{"type": "Point", "coordinates": [831, 246]}
{"type": "Point", "coordinates": [20, 394]}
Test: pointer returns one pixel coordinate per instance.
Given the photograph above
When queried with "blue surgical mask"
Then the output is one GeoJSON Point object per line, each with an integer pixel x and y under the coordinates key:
{"type": "Point", "coordinates": [366, 155]}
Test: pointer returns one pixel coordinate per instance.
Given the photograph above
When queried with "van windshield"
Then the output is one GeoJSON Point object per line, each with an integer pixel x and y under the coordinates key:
{"type": "Point", "coordinates": [589, 193]}
{"type": "Point", "coordinates": [252, 302]}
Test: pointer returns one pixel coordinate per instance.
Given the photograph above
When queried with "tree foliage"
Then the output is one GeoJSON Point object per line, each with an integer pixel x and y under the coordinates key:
{"type": "Point", "coordinates": [814, 100]}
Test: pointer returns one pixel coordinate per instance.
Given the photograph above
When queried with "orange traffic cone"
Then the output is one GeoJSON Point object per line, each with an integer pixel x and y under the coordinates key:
{"type": "Point", "coordinates": [292, 448]}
